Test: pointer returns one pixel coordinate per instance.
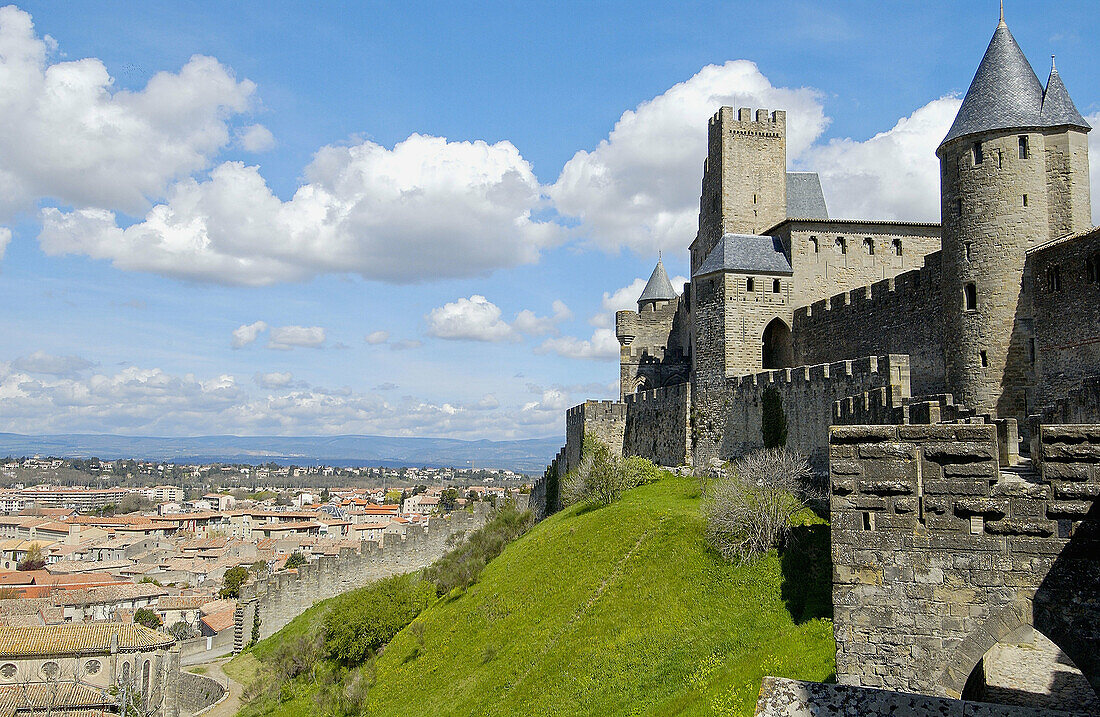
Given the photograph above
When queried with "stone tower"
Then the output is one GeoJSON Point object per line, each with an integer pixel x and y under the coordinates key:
{"type": "Point", "coordinates": [744, 177]}
{"type": "Point", "coordinates": [1014, 174]}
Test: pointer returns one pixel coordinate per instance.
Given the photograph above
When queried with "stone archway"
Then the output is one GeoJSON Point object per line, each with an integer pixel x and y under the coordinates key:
{"type": "Point", "coordinates": [1006, 626]}
{"type": "Point", "coordinates": [777, 349]}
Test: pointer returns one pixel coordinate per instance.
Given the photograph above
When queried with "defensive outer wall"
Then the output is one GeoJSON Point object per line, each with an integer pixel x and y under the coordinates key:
{"type": "Point", "coordinates": [282, 597]}
{"type": "Point", "coordinates": [940, 550]}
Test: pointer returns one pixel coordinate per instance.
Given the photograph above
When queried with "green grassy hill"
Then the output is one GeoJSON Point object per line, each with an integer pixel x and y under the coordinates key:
{"type": "Point", "coordinates": [615, 610]}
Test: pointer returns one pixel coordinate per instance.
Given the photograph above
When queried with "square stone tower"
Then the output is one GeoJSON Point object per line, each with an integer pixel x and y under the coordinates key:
{"type": "Point", "coordinates": [744, 177]}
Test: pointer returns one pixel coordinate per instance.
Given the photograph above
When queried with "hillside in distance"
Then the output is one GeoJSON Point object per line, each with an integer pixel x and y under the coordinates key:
{"type": "Point", "coordinates": [527, 456]}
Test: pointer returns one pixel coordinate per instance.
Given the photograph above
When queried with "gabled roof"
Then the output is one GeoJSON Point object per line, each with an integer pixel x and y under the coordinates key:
{"type": "Point", "coordinates": [746, 253]}
{"type": "Point", "coordinates": [1005, 93]}
{"type": "Point", "coordinates": [805, 200]}
{"type": "Point", "coordinates": [659, 288]}
{"type": "Point", "coordinates": [1058, 108]}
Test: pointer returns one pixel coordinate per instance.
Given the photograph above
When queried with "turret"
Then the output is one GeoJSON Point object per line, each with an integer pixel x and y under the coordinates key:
{"type": "Point", "coordinates": [1014, 174]}
{"type": "Point", "coordinates": [658, 290]}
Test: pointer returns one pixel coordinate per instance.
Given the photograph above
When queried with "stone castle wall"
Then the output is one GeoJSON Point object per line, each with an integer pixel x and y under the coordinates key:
{"type": "Point", "coordinates": [606, 420]}
{"type": "Point", "coordinates": [728, 425]}
{"type": "Point", "coordinates": [938, 554]}
{"type": "Point", "coordinates": [283, 596]}
{"type": "Point", "coordinates": [1067, 322]}
{"type": "Point", "coordinates": [658, 425]}
{"type": "Point", "coordinates": [829, 257]}
{"type": "Point", "coordinates": [902, 315]}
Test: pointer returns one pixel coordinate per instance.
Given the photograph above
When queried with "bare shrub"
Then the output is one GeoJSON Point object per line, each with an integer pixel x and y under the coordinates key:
{"type": "Point", "coordinates": [749, 510]}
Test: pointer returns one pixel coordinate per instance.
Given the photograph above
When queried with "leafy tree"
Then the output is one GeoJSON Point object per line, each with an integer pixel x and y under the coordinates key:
{"type": "Point", "coordinates": [295, 560]}
{"type": "Point", "coordinates": [232, 581]}
{"type": "Point", "coordinates": [393, 496]}
{"type": "Point", "coordinates": [447, 499]}
{"type": "Point", "coordinates": [148, 618]}
{"type": "Point", "coordinates": [773, 423]}
{"type": "Point", "coordinates": [35, 559]}
{"type": "Point", "coordinates": [182, 631]}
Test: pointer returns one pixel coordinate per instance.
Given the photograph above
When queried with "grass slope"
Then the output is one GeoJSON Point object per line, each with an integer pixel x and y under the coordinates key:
{"type": "Point", "coordinates": [615, 610]}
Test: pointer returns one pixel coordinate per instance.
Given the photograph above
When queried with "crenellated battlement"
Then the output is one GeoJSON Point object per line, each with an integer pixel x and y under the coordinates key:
{"type": "Point", "coordinates": [890, 366]}
{"type": "Point", "coordinates": [595, 410]}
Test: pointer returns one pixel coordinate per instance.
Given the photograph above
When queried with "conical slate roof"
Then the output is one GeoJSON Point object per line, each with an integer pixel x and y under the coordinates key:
{"type": "Point", "coordinates": [1058, 108]}
{"type": "Point", "coordinates": [1004, 93]}
{"type": "Point", "coordinates": [659, 287]}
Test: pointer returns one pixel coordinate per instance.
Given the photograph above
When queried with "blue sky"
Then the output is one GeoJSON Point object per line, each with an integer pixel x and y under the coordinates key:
{"type": "Point", "coordinates": [417, 219]}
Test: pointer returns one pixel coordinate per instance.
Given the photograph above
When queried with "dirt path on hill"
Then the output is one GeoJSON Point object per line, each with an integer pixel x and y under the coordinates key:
{"type": "Point", "coordinates": [229, 705]}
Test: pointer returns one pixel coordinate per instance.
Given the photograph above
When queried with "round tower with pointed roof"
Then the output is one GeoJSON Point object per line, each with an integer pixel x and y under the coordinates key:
{"type": "Point", "coordinates": [658, 290]}
{"type": "Point", "coordinates": [1014, 174]}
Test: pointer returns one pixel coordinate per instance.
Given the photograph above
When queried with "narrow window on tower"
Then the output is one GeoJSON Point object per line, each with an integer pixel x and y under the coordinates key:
{"type": "Point", "coordinates": [970, 294]}
{"type": "Point", "coordinates": [966, 249]}
{"type": "Point", "coordinates": [775, 286]}
{"type": "Point", "coordinates": [897, 247]}
{"type": "Point", "coordinates": [869, 245]}
{"type": "Point", "coordinates": [842, 245]}
{"type": "Point", "coordinates": [754, 199]}
{"type": "Point", "coordinates": [959, 207]}
{"type": "Point", "coordinates": [749, 285]}
{"type": "Point", "coordinates": [978, 156]}
{"type": "Point", "coordinates": [1031, 350]}
{"type": "Point", "coordinates": [1054, 279]}
{"type": "Point", "coordinates": [813, 244]}
{"type": "Point", "coordinates": [984, 359]}
{"type": "Point", "coordinates": [1025, 200]}
{"type": "Point", "coordinates": [1093, 264]}
{"type": "Point", "coordinates": [1025, 151]}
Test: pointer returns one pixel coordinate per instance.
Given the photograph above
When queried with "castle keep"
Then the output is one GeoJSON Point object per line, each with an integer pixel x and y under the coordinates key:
{"type": "Point", "coordinates": [861, 321]}
{"type": "Point", "coordinates": [932, 369]}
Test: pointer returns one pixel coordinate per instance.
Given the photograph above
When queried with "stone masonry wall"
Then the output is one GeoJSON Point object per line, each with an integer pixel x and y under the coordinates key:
{"type": "Point", "coordinates": [658, 425]}
{"type": "Point", "coordinates": [283, 596]}
{"type": "Point", "coordinates": [938, 554]}
{"type": "Point", "coordinates": [1067, 318]}
{"type": "Point", "coordinates": [896, 316]}
{"type": "Point", "coordinates": [606, 420]}
{"type": "Point", "coordinates": [728, 424]}
{"type": "Point", "coordinates": [832, 256]}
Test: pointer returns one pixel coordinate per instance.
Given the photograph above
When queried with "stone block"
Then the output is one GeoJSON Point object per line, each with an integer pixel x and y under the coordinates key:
{"type": "Point", "coordinates": [990, 508]}
{"type": "Point", "coordinates": [1071, 491]}
{"type": "Point", "coordinates": [862, 434]}
{"type": "Point", "coordinates": [960, 452]}
{"type": "Point", "coordinates": [903, 451]}
{"type": "Point", "coordinates": [1042, 529]}
{"type": "Point", "coordinates": [886, 486]}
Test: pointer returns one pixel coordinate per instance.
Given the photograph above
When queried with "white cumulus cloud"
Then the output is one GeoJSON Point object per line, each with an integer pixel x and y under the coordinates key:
{"type": "Point", "coordinates": [69, 135]}
{"type": "Point", "coordinates": [527, 322]}
{"type": "Point", "coordinates": [43, 363]}
{"type": "Point", "coordinates": [601, 345]}
{"type": "Point", "coordinates": [377, 337]}
{"type": "Point", "coordinates": [893, 175]}
{"type": "Point", "coordinates": [284, 338]}
{"type": "Point", "coordinates": [246, 334]}
{"type": "Point", "coordinates": [256, 138]}
{"type": "Point", "coordinates": [639, 188]}
{"type": "Point", "coordinates": [274, 379]}
{"type": "Point", "coordinates": [5, 239]}
{"type": "Point", "coordinates": [472, 319]}
{"type": "Point", "coordinates": [423, 210]}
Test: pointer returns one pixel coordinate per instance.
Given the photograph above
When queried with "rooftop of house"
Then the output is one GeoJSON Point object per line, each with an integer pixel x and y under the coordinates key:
{"type": "Point", "coordinates": [78, 638]}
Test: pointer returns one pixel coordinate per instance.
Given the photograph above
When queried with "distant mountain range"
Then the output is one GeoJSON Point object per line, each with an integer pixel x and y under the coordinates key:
{"type": "Point", "coordinates": [528, 456]}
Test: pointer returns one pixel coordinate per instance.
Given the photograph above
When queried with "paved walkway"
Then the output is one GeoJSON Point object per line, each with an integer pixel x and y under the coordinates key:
{"type": "Point", "coordinates": [229, 706]}
{"type": "Point", "coordinates": [1035, 673]}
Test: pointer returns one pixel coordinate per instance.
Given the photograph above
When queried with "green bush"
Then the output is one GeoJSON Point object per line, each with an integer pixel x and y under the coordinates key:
{"type": "Point", "coordinates": [602, 476]}
{"type": "Point", "coordinates": [296, 560]}
{"type": "Point", "coordinates": [361, 622]}
{"type": "Point", "coordinates": [461, 567]}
